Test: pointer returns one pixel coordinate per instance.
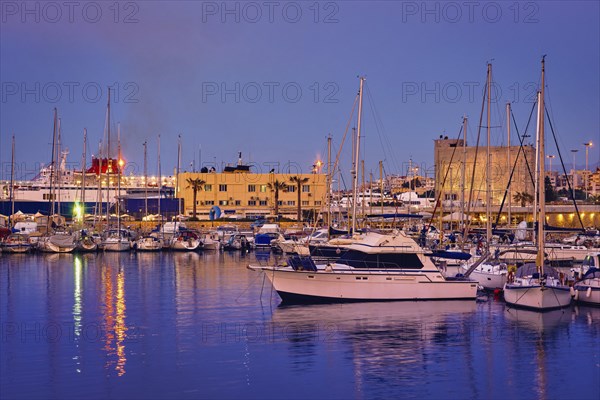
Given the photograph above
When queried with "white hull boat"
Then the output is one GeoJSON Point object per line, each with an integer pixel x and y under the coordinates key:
{"type": "Point", "coordinates": [530, 290]}
{"type": "Point", "coordinates": [186, 241]}
{"type": "Point", "coordinates": [365, 285]}
{"type": "Point", "coordinates": [489, 276]}
{"type": "Point", "coordinates": [376, 268]}
{"type": "Point", "coordinates": [16, 243]}
{"type": "Point", "coordinates": [587, 290]}
{"type": "Point", "coordinates": [59, 243]}
{"type": "Point", "coordinates": [148, 243]}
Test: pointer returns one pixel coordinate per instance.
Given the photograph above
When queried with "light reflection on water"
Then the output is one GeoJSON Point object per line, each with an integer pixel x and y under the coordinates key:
{"type": "Point", "coordinates": [200, 325]}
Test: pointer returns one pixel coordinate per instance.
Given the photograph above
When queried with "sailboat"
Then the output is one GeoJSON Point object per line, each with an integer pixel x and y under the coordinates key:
{"type": "Point", "coordinates": [15, 242]}
{"type": "Point", "coordinates": [587, 289]}
{"type": "Point", "coordinates": [151, 242]}
{"type": "Point", "coordinates": [378, 267]}
{"type": "Point", "coordinates": [490, 274]}
{"type": "Point", "coordinates": [537, 286]}
{"type": "Point", "coordinates": [114, 239]}
{"type": "Point", "coordinates": [59, 241]}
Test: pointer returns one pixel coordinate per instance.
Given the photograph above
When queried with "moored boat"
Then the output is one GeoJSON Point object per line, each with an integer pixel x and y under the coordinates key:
{"type": "Point", "coordinates": [378, 268]}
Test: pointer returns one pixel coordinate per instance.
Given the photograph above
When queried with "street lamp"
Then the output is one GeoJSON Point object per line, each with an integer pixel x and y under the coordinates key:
{"type": "Point", "coordinates": [587, 147]}
{"type": "Point", "coordinates": [574, 151]}
{"type": "Point", "coordinates": [550, 157]}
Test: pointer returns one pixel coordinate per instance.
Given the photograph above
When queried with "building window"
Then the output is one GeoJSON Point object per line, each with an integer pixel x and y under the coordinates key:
{"type": "Point", "coordinates": [207, 187]}
{"type": "Point", "coordinates": [222, 188]}
{"type": "Point", "coordinates": [317, 203]}
{"type": "Point", "coordinates": [209, 203]}
{"type": "Point", "coordinates": [262, 203]}
{"type": "Point", "coordinates": [304, 202]}
{"type": "Point", "coordinates": [251, 202]}
{"type": "Point", "coordinates": [223, 202]}
{"type": "Point", "coordinates": [251, 188]}
{"type": "Point", "coordinates": [280, 202]}
{"type": "Point", "coordinates": [305, 188]}
{"type": "Point", "coordinates": [291, 189]}
{"type": "Point", "coordinates": [291, 203]}
{"type": "Point", "coordinates": [238, 202]}
{"type": "Point", "coordinates": [263, 188]}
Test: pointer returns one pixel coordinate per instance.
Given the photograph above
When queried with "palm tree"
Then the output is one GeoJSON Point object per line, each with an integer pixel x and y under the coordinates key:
{"type": "Point", "coordinates": [196, 185]}
{"type": "Point", "coordinates": [299, 181]}
{"type": "Point", "coordinates": [276, 187]}
{"type": "Point", "coordinates": [523, 198]}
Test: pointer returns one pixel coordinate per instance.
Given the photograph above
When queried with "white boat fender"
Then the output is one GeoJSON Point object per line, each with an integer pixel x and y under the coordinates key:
{"type": "Point", "coordinates": [588, 292]}
{"type": "Point", "coordinates": [572, 290]}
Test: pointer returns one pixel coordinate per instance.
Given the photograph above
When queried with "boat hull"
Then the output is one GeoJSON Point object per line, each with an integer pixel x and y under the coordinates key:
{"type": "Point", "coordinates": [587, 294]}
{"type": "Point", "coordinates": [16, 248]}
{"type": "Point", "coordinates": [146, 244]}
{"type": "Point", "coordinates": [353, 286]}
{"type": "Point", "coordinates": [185, 245]}
{"type": "Point", "coordinates": [537, 297]}
{"type": "Point", "coordinates": [490, 277]}
{"type": "Point", "coordinates": [116, 246]}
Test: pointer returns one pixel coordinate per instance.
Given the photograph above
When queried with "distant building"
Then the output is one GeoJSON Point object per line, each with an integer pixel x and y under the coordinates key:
{"type": "Point", "coordinates": [239, 193]}
{"type": "Point", "coordinates": [452, 157]}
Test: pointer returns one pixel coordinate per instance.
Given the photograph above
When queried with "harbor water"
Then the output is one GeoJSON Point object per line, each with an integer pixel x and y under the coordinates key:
{"type": "Point", "coordinates": [201, 325]}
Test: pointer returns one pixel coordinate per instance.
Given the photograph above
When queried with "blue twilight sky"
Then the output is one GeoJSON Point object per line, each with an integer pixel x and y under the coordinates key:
{"type": "Point", "coordinates": [273, 79]}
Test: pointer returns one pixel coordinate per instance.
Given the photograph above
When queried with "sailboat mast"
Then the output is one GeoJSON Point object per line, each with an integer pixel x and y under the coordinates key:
{"type": "Point", "coordinates": [119, 162]}
{"type": "Point", "coordinates": [357, 154]}
{"type": "Point", "coordinates": [463, 173]}
{"type": "Point", "coordinates": [488, 217]}
{"type": "Point", "coordinates": [381, 188]}
{"type": "Point", "coordinates": [328, 198]}
{"type": "Point", "coordinates": [177, 175]}
{"type": "Point", "coordinates": [541, 186]}
{"type": "Point", "coordinates": [508, 161]}
{"type": "Point", "coordinates": [59, 163]}
{"type": "Point", "coordinates": [83, 160]}
{"type": "Point", "coordinates": [53, 165]}
{"type": "Point", "coordinates": [146, 178]}
{"type": "Point", "coordinates": [12, 182]}
{"type": "Point", "coordinates": [159, 182]}
{"type": "Point", "coordinates": [108, 159]}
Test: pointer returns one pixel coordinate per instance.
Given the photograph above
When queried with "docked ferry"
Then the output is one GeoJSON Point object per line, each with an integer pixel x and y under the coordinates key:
{"type": "Point", "coordinates": [73, 192]}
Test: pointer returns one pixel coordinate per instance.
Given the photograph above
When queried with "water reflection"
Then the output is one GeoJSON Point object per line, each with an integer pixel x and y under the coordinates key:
{"type": "Point", "coordinates": [77, 308]}
{"type": "Point", "coordinates": [539, 328]}
{"type": "Point", "coordinates": [174, 325]}
{"type": "Point", "coordinates": [395, 340]}
{"type": "Point", "coordinates": [115, 327]}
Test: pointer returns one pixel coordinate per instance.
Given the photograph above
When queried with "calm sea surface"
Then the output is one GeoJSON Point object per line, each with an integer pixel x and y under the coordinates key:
{"type": "Point", "coordinates": [187, 325]}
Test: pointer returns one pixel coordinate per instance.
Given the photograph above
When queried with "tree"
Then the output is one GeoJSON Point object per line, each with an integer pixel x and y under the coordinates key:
{"type": "Point", "coordinates": [299, 181]}
{"type": "Point", "coordinates": [276, 187]}
{"type": "Point", "coordinates": [549, 192]}
{"type": "Point", "coordinates": [523, 198]}
{"type": "Point", "coordinates": [196, 185]}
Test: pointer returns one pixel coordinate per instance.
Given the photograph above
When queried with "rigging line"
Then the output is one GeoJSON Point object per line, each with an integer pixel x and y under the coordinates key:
{"type": "Point", "coordinates": [524, 136]}
{"type": "Point", "coordinates": [514, 168]}
{"type": "Point", "coordinates": [563, 165]}
{"type": "Point", "coordinates": [467, 226]}
{"type": "Point", "coordinates": [383, 137]}
{"type": "Point", "coordinates": [337, 157]}
{"type": "Point", "coordinates": [439, 195]}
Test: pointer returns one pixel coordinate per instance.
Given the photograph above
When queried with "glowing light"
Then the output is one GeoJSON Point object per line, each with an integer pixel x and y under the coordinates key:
{"type": "Point", "coordinates": [77, 212]}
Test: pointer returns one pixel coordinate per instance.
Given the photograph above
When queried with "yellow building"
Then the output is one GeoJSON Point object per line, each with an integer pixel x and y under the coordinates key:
{"type": "Point", "coordinates": [239, 193]}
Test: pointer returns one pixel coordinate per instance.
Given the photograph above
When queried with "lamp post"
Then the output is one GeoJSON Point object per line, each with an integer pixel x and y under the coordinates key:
{"type": "Point", "coordinates": [550, 157]}
{"type": "Point", "coordinates": [587, 147]}
{"type": "Point", "coordinates": [574, 151]}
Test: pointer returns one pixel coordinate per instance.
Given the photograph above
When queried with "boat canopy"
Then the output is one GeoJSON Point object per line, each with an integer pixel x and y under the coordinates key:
{"type": "Point", "coordinates": [530, 269]}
